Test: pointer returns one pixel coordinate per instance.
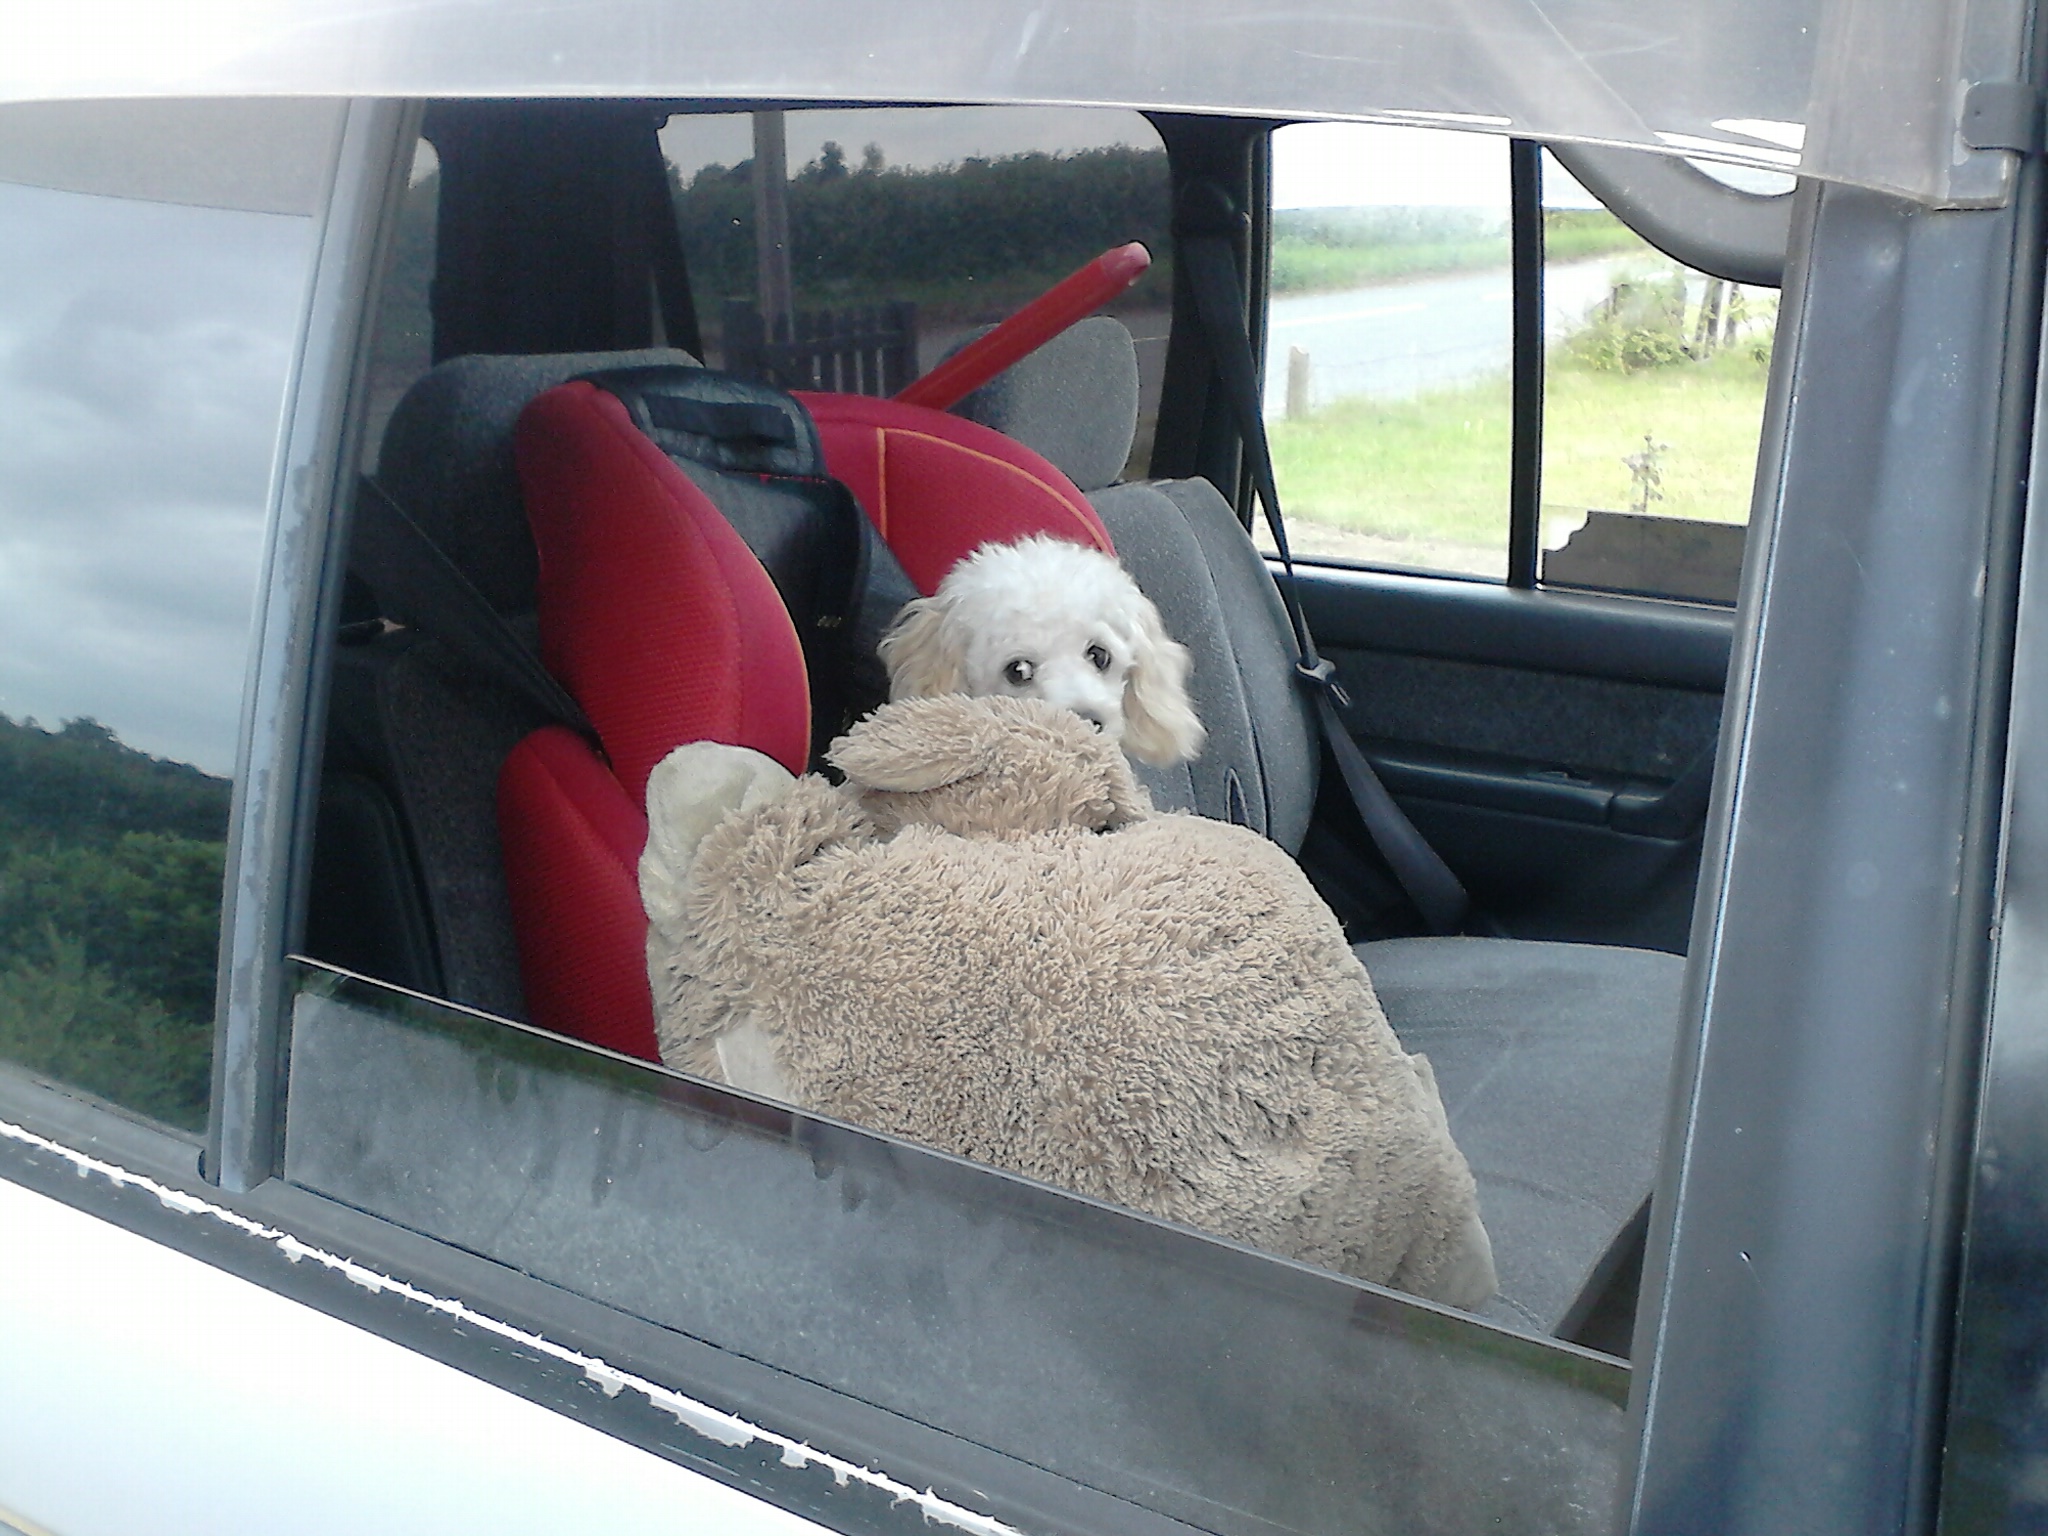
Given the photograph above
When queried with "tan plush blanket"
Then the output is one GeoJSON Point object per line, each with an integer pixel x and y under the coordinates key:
{"type": "Point", "coordinates": [988, 942]}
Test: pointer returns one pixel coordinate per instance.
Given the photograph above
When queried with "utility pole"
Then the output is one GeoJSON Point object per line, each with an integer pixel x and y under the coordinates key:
{"type": "Point", "coordinates": [771, 223]}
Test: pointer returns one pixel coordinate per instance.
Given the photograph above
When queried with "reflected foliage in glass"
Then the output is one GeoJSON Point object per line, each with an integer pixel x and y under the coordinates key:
{"type": "Point", "coordinates": [912, 229]}
{"type": "Point", "coordinates": [110, 888]}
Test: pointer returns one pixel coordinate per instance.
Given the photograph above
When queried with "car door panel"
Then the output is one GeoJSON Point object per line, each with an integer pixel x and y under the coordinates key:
{"type": "Point", "coordinates": [1554, 747]}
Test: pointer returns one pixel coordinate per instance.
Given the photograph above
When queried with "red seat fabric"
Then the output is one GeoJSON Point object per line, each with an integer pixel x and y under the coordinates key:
{"type": "Point", "coordinates": [937, 487]}
{"type": "Point", "coordinates": [654, 614]}
{"type": "Point", "coordinates": [572, 842]}
{"type": "Point", "coordinates": [658, 619]}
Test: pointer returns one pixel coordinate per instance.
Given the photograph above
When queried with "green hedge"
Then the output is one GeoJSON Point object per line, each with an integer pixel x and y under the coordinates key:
{"type": "Point", "coordinates": [969, 240]}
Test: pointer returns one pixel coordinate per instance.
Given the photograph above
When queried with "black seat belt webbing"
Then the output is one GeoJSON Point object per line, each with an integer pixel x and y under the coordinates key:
{"type": "Point", "coordinates": [413, 577]}
{"type": "Point", "coordinates": [1203, 230]}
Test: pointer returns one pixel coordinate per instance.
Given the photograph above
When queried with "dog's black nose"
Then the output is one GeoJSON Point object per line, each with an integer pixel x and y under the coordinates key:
{"type": "Point", "coordinates": [1093, 719]}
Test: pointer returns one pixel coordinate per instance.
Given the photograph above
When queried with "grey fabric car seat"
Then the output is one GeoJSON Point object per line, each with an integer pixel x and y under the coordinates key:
{"type": "Point", "coordinates": [1553, 1058]}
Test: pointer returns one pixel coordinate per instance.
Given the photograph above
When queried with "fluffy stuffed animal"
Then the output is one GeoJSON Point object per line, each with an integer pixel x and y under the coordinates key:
{"type": "Point", "coordinates": [1046, 619]}
{"type": "Point", "coordinates": [987, 941]}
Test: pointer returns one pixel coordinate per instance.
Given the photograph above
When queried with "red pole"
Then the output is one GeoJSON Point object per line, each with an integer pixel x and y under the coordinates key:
{"type": "Point", "coordinates": [1029, 328]}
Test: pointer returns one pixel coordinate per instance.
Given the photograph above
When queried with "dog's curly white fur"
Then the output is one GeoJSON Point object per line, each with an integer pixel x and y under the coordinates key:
{"type": "Point", "coordinates": [1046, 619]}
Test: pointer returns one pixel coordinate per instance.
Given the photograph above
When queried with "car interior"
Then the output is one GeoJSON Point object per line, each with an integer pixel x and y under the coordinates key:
{"type": "Point", "coordinates": [477, 834]}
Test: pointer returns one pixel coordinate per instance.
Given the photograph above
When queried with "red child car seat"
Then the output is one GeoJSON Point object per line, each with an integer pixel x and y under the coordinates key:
{"type": "Point", "coordinates": [664, 626]}
{"type": "Point", "coordinates": [937, 487]}
{"type": "Point", "coordinates": [660, 622]}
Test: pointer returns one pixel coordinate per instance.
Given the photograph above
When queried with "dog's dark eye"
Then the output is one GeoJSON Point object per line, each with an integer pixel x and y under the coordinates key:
{"type": "Point", "coordinates": [1018, 672]}
{"type": "Point", "coordinates": [1098, 657]}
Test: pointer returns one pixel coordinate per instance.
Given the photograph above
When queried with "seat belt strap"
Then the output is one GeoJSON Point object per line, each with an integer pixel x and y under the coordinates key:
{"type": "Point", "coordinates": [1204, 229]}
{"type": "Point", "coordinates": [420, 586]}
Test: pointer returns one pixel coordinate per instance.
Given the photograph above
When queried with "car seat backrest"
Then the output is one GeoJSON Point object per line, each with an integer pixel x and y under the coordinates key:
{"type": "Point", "coordinates": [1185, 548]}
{"type": "Point", "coordinates": [1075, 400]}
{"type": "Point", "coordinates": [656, 615]}
{"type": "Point", "coordinates": [447, 459]}
{"type": "Point", "coordinates": [837, 579]}
{"type": "Point", "coordinates": [936, 487]}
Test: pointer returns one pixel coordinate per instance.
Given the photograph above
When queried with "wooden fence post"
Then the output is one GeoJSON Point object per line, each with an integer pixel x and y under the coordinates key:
{"type": "Point", "coordinates": [1297, 383]}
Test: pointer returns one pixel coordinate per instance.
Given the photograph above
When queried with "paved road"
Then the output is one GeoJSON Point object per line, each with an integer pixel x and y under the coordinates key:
{"type": "Point", "coordinates": [1390, 340]}
{"type": "Point", "coordinates": [1397, 339]}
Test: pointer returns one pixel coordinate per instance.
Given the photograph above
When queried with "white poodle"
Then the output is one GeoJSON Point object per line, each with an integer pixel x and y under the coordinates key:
{"type": "Point", "coordinates": [1046, 619]}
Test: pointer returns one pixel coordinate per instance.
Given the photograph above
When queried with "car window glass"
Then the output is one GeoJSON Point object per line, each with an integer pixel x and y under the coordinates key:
{"type": "Point", "coordinates": [1387, 345]}
{"type": "Point", "coordinates": [913, 228]}
{"type": "Point", "coordinates": [145, 348]}
{"type": "Point", "coordinates": [1653, 401]}
{"type": "Point", "coordinates": [1057, 1329]}
{"type": "Point", "coordinates": [1193, 1378]}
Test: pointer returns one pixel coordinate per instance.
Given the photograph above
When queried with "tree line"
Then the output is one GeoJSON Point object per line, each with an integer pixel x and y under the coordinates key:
{"type": "Point", "coordinates": [969, 240]}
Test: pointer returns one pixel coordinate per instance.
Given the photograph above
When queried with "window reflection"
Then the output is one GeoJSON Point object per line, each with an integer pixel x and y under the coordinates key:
{"type": "Point", "coordinates": [144, 352]}
{"type": "Point", "coordinates": [912, 228]}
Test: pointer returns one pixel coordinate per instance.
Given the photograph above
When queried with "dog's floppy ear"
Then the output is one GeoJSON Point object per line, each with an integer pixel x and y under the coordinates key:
{"type": "Point", "coordinates": [918, 745]}
{"type": "Point", "coordinates": [922, 651]}
{"type": "Point", "coordinates": [1160, 725]}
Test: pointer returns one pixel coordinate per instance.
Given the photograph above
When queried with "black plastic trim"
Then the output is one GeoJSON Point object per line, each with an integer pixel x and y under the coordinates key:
{"type": "Point", "coordinates": [1675, 645]}
{"type": "Point", "coordinates": [1668, 811]}
{"type": "Point", "coordinates": [1794, 1341]}
{"type": "Point", "coordinates": [1463, 778]}
{"type": "Point", "coordinates": [1196, 435]}
{"type": "Point", "coordinates": [1527, 344]}
{"type": "Point", "coordinates": [1990, 1423]}
{"type": "Point", "coordinates": [1687, 214]}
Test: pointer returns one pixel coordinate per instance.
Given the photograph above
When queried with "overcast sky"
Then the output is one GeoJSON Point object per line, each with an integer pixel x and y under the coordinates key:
{"type": "Point", "coordinates": [143, 355]}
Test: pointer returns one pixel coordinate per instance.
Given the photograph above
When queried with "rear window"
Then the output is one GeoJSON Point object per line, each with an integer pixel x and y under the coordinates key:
{"type": "Point", "coordinates": [887, 237]}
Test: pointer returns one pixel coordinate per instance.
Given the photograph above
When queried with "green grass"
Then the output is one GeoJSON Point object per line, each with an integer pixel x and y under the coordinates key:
{"type": "Point", "coordinates": [1565, 240]}
{"type": "Point", "coordinates": [1301, 266]}
{"type": "Point", "coordinates": [1326, 257]}
{"type": "Point", "coordinates": [1436, 466]}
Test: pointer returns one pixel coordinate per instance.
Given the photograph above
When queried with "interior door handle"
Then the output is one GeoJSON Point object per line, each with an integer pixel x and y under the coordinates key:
{"type": "Point", "coordinates": [1677, 810]}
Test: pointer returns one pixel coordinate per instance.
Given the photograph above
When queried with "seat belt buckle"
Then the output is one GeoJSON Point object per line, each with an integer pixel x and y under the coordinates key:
{"type": "Point", "coordinates": [1322, 673]}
